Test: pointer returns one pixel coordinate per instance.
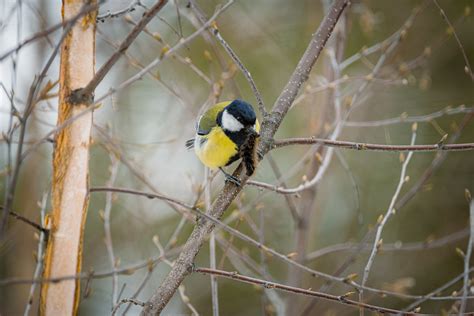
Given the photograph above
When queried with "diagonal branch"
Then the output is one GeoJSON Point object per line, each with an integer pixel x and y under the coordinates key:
{"type": "Point", "coordinates": [342, 299]}
{"type": "Point", "coordinates": [184, 263]}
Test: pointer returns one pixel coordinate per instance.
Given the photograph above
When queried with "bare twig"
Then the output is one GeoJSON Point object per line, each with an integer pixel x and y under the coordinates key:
{"type": "Point", "coordinates": [467, 68]}
{"type": "Point", "coordinates": [100, 74]}
{"type": "Point", "coordinates": [124, 84]}
{"type": "Point", "coordinates": [108, 233]}
{"type": "Point", "coordinates": [30, 104]}
{"type": "Point", "coordinates": [181, 289]}
{"type": "Point", "coordinates": [127, 300]}
{"type": "Point", "coordinates": [412, 119]}
{"type": "Point", "coordinates": [215, 31]}
{"type": "Point", "coordinates": [433, 295]}
{"type": "Point", "coordinates": [397, 246]}
{"type": "Point", "coordinates": [467, 257]}
{"type": "Point", "coordinates": [390, 211]}
{"type": "Point", "coordinates": [130, 8]}
{"type": "Point", "coordinates": [343, 299]}
{"type": "Point", "coordinates": [372, 147]}
{"type": "Point", "coordinates": [27, 221]}
{"type": "Point", "coordinates": [212, 246]}
{"type": "Point", "coordinates": [39, 254]}
{"type": "Point", "coordinates": [128, 270]}
{"type": "Point", "coordinates": [67, 23]}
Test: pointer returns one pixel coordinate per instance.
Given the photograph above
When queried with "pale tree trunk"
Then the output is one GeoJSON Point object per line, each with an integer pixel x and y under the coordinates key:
{"type": "Point", "coordinates": [70, 165]}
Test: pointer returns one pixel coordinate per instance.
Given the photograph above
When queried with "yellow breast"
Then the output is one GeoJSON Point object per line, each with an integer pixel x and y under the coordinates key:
{"type": "Point", "coordinates": [217, 150]}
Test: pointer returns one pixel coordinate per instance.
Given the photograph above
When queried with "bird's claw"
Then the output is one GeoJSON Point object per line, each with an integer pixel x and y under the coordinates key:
{"type": "Point", "coordinates": [232, 179]}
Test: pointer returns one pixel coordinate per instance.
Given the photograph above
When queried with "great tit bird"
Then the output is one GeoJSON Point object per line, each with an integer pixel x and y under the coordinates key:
{"type": "Point", "coordinates": [225, 133]}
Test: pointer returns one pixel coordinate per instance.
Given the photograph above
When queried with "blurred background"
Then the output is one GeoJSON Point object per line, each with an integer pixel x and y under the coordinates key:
{"type": "Point", "coordinates": [394, 60]}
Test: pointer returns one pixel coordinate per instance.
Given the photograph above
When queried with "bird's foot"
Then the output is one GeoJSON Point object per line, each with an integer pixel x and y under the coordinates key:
{"type": "Point", "coordinates": [230, 178]}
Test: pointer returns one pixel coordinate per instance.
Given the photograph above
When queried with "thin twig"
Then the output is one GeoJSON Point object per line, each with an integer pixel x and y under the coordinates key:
{"type": "Point", "coordinates": [130, 8]}
{"type": "Point", "coordinates": [128, 270]}
{"type": "Point", "coordinates": [107, 230]}
{"type": "Point", "coordinates": [390, 211]}
{"type": "Point", "coordinates": [27, 221]}
{"type": "Point", "coordinates": [433, 295]}
{"type": "Point", "coordinates": [396, 246]}
{"type": "Point", "coordinates": [127, 300]}
{"type": "Point", "coordinates": [124, 84]}
{"type": "Point", "coordinates": [215, 31]}
{"type": "Point", "coordinates": [467, 257]}
{"type": "Point", "coordinates": [100, 74]}
{"type": "Point", "coordinates": [343, 299]}
{"type": "Point", "coordinates": [212, 246]}
{"type": "Point", "coordinates": [39, 254]}
{"type": "Point", "coordinates": [201, 216]}
{"type": "Point", "coordinates": [86, 10]}
{"type": "Point", "coordinates": [467, 68]}
{"type": "Point", "coordinates": [372, 147]}
{"type": "Point", "coordinates": [411, 119]}
{"type": "Point", "coordinates": [30, 104]}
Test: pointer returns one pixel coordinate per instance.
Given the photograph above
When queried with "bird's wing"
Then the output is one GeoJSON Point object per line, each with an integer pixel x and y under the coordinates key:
{"type": "Point", "coordinates": [208, 120]}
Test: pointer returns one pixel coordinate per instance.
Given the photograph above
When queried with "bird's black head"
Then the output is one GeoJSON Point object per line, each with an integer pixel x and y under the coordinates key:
{"type": "Point", "coordinates": [238, 120]}
{"type": "Point", "coordinates": [242, 112]}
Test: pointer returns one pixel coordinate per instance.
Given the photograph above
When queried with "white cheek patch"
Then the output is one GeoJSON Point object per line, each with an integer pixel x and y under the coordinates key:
{"type": "Point", "coordinates": [230, 123]}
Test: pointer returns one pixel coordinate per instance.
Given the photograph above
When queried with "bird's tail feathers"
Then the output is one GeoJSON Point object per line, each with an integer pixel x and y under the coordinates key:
{"type": "Point", "coordinates": [189, 144]}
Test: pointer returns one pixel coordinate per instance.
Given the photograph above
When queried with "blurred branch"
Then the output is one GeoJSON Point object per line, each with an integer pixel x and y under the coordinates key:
{"type": "Point", "coordinates": [321, 157]}
{"type": "Point", "coordinates": [100, 74]}
{"type": "Point", "coordinates": [382, 220]}
{"type": "Point", "coordinates": [31, 102]}
{"type": "Point", "coordinates": [434, 295]}
{"type": "Point", "coordinates": [130, 8]}
{"type": "Point", "coordinates": [183, 60]}
{"type": "Point", "coordinates": [411, 119]}
{"type": "Point", "coordinates": [395, 37]}
{"type": "Point", "coordinates": [397, 246]}
{"type": "Point", "coordinates": [26, 221]}
{"type": "Point", "coordinates": [215, 31]}
{"type": "Point", "coordinates": [181, 289]}
{"type": "Point", "coordinates": [435, 164]}
{"type": "Point", "coordinates": [127, 300]}
{"type": "Point", "coordinates": [107, 230]}
{"type": "Point", "coordinates": [66, 24]}
{"type": "Point", "coordinates": [467, 257]}
{"type": "Point", "coordinates": [203, 216]}
{"type": "Point", "coordinates": [166, 53]}
{"type": "Point", "coordinates": [467, 67]}
{"type": "Point", "coordinates": [269, 127]}
{"type": "Point", "coordinates": [212, 245]}
{"type": "Point", "coordinates": [39, 255]}
{"type": "Point", "coordinates": [128, 270]}
{"type": "Point", "coordinates": [343, 299]}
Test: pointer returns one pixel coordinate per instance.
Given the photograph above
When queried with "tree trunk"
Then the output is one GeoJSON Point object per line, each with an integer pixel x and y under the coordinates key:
{"type": "Point", "coordinates": [70, 166]}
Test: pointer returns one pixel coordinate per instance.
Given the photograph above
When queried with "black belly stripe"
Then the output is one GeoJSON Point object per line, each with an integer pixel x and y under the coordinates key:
{"type": "Point", "coordinates": [233, 158]}
{"type": "Point", "coordinates": [237, 137]}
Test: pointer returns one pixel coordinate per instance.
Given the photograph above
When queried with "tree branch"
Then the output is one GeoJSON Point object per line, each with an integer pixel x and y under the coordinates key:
{"type": "Point", "coordinates": [374, 147]}
{"type": "Point", "coordinates": [273, 285]}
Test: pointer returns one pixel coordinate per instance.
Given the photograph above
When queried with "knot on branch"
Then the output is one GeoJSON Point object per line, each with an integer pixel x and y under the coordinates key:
{"type": "Point", "coordinates": [78, 96]}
